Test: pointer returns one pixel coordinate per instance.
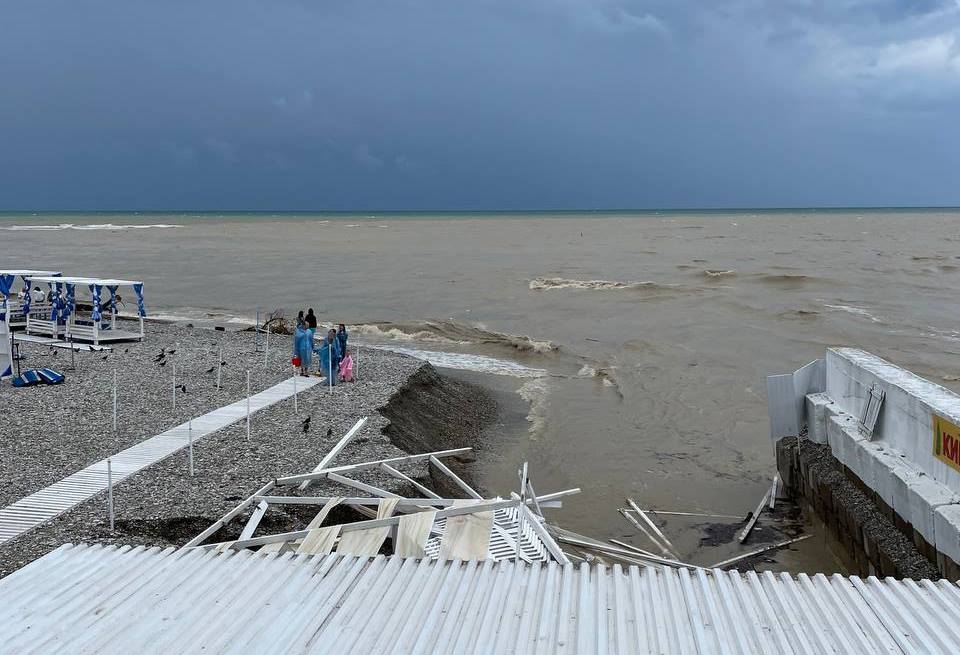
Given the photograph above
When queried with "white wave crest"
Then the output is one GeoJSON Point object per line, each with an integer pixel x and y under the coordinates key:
{"type": "Point", "coordinates": [468, 362]}
{"type": "Point", "coordinates": [396, 334]}
{"type": "Point", "coordinates": [856, 311]}
{"type": "Point", "coordinates": [551, 283]}
{"type": "Point", "coordinates": [535, 392]}
{"type": "Point", "coordinates": [92, 226]}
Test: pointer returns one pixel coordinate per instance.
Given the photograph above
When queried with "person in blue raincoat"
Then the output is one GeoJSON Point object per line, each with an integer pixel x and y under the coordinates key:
{"type": "Point", "coordinates": [342, 338]}
{"type": "Point", "coordinates": [303, 347]}
{"type": "Point", "coordinates": [330, 356]}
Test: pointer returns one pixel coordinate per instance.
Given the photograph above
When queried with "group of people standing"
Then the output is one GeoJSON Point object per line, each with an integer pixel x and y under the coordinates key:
{"type": "Point", "coordinates": [335, 360]}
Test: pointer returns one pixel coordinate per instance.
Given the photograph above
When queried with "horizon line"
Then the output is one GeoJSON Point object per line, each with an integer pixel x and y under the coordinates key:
{"type": "Point", "coordinates": [609, 210]}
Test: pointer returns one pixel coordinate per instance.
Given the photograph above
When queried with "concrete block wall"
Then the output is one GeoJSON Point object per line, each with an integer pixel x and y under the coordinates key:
{"type": "Point", "coordinates": [905, 423]}
{"type": "Point", "coordinates": [918, 492]}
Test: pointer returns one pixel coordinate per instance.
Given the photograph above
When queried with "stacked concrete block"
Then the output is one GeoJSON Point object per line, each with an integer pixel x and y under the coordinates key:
{"type": "Point", "coordinates": [818, 405]}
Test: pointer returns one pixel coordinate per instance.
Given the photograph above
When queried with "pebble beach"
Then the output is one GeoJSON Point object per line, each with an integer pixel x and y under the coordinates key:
{"type": "Point", "coordinates": [57, 430]}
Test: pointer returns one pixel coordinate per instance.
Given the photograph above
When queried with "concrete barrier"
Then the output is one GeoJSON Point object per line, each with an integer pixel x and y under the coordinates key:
{"type": "Point", "coordinates": [897, 464]}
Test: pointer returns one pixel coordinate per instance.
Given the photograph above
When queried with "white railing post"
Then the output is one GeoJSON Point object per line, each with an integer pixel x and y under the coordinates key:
{"type": "Point", "coordinates": [174, 387]}
{"type": "Point", "coordinates": [190, 444]}
{"type": "Point", "coordinates": [219, 366]}
{"type": "Point", "coordinates": [296, 409]}
{"type": "Point", "coordinates": [114, 403]}
{"type": "Point", "coordinates": [110, 492]}
{"type": "Point", "coordinates": [248, 404]}
{"type": "Point", "coordinates": [266, 350]}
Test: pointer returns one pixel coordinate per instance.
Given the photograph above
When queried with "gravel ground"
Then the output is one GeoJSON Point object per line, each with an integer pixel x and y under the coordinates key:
{"type": "Point", "coordinates": [57, 430]}
{"type": "Point", "coordinates": [162, 505]}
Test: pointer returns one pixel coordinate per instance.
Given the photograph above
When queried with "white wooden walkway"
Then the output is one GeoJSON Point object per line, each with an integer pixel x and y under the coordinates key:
{"type": "Point", "coordinates": [31, 511]}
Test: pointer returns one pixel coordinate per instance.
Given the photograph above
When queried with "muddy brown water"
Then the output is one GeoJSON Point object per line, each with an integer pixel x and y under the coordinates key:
{"type": "Point", "coordinates": [652, 333]}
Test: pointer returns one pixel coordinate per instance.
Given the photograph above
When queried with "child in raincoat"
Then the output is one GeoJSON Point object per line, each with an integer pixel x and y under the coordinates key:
{"type": "Point", "coordinates": [346, 367]}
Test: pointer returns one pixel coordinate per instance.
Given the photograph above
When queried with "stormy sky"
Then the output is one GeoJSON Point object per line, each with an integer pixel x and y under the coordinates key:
{"type": "Point", "coordinates": [479, 104]}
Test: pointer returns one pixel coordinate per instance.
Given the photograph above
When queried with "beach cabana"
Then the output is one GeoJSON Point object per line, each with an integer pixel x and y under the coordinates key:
{"type": "Point", "coordinates": [71, 320]}
{"type": "Point", "coordinates": [13, 309]}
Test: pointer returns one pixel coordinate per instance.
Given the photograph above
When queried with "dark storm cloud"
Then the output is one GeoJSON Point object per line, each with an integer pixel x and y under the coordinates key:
{"type": "Point", "coordinates": [481, 104]}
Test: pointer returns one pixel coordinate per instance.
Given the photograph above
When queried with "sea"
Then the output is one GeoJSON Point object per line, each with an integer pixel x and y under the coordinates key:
{"type": "Point", "coordinates": [628, 349]}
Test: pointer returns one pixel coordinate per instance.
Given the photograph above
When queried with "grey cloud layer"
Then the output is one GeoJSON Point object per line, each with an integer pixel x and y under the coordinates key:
{"type": "Point", "coordinates": [482, 104]}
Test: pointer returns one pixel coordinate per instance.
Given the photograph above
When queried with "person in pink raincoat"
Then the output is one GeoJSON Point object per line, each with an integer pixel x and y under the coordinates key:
{"type": "Point", "coordinates": [346, 367]}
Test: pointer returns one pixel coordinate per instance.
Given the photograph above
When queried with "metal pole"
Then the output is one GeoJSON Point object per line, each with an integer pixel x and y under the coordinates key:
{"type": "Point", "coordinates": [248, 404]}
{"type": "Point", "coordinates": [190, 442]}
{"type": "Point", "coordinates": [296, 410]}
{"type": "Point", "coordinates": [330, 364]}
{"type": "Point", "coordinates": [110, 492]}
{"type": "Point", "coordinates": [266, 350]}
{"type": "Point", "coordinates": [114, 403]}
{"type": "Point", "coordinates": [356, 366]}
{"type": "Point", "coordinates": [219, 363]}
{"type": "Point", "coordinates": [174, 387]}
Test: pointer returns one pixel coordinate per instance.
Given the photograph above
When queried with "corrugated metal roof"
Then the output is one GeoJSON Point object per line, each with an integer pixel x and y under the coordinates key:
{"type": "Point", "coordinates": [96, 599]}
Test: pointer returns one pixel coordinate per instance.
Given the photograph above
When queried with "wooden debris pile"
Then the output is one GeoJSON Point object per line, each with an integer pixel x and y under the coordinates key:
{"type": "Point", "coordinates": [469, 528]}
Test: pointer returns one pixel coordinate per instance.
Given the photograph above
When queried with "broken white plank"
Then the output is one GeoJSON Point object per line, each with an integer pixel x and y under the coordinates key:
{"type": "Point", "coordinates": [773, 490]}
{"type": "Point", "coordinates": [456, 478]}
{"type": "Point", "coordinates": [700, 514]}
{"type": "Point", "coordinates": [226, 518]}
{"type": "Point", "coordinates": [315, 475]}
{"type": "Point", "coordinates": [753, 519]}
{"type": "Point", "coordinates": [254, 521]}
{"type": "Point", "coordinates": [362, 486]}
{"type": "Point", "coordinates": [662, 548]}
{"type": "Point", "coordinates": [343, 443]}
{"type": "Point", "coordinates": [758, 551]}
{"type": "Point", "coordinates": [653, 526]}
{"type": "Point", "coordinates": [623, 544]}
{"type": "Point", "coordinates": [400, 476]}
{"type": "Point", "coordinates": [537, 526]}
{"type": "Point", "coordinates": [604, 548]}
{"type": "Point", "coordinates": [366, 525]}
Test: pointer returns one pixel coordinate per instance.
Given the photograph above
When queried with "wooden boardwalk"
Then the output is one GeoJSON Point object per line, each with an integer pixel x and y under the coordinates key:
{"type": "Point", "coordinates": [31, 511]}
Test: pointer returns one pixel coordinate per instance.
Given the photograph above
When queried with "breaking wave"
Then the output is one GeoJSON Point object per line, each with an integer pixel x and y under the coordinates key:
{"type": "Point", "coordinates": [535, 393]}
{"type": "Point", "coordinates": [714, 274]}
{"type": "Point", "coordinates": [451, 332]}
{"type": "Point", "coordinates": [73, 226]}
{"type": "Point", "coordinates": [550, 283]}
{"type": "Point", "coordinates": [467, 362]}
{"type": "Point", "coordinates": [856, 311]}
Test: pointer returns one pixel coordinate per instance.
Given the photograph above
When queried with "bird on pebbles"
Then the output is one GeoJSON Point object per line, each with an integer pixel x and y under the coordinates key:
{"type": "Point", "coordinates": [306, 425]}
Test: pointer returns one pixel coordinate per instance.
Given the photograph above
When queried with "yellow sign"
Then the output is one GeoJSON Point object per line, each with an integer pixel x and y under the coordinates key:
{"type": "Point", "coordinates": [946, 441]}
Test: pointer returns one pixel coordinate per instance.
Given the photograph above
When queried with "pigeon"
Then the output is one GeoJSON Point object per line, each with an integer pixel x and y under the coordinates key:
{"type": "Point", "coordinates": [329, 432]}
{"type": "Point", "coordinates": [163, 363]}
{"type": "Point", "coordinates": [159, 357]}
{"type": "Point", "coordinates": [183, 388]}
{"type": "Point", "coordinates": [223, 363]}
{"type": "Point", "coordinates": [171, 352]}
{"type": "Point", "coordinates": [210, 370]}
{"type": "Point", "coordinates": [126, 350]}
{"type": "Point", "coordinates": [91, 348]}
{"type": "Point", "coordinates": [306, 425]}
{"type": "Point", "coordinates": [105, 356]}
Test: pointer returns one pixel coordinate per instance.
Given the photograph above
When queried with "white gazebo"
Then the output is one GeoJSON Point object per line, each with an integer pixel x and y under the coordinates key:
{"type": "Point", "coordinates": [13, 309]}
{"type": "Point", "coordinates": [65, 318]}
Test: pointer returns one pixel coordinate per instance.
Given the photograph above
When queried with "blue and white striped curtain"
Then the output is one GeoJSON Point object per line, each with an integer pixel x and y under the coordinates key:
{"type": "Point", "coordinates": [6, 285]}
{"type": "Point", "coordinates": [70, 302]}
{"type": "Point", "coordinates": [138, 289]}
{"type": "Point", "coordinates": [55, 302]}
{"type": "Point", "coordinates": [27, 298]}
{"type": "Point", "coordinates": [113, 298]}
{"type": "Point", "coordinates": [95, 294]}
